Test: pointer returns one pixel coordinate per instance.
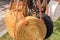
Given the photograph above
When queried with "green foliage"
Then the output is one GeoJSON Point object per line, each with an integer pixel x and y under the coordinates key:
{"type": "Point", "coordinates": [6, 37]}
{"type": "Point", "coordinates": [56, 32]}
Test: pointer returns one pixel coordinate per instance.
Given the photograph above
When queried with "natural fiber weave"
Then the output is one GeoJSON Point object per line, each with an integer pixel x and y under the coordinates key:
{"type": "Point", "coordinates": [33, 30]}
{"type": "Point", "coordinates": [10, 20]}
{"type": "Point", "coordinates": [13, 16]}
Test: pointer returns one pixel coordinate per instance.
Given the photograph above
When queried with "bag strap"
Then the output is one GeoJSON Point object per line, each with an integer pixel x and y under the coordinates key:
{"type": "Point", "coordinates": [39, 6]}
{"type": "Point", "coordinates": [46, 6]}
{"type": "Point", "coordinates": [16, 6]}
{"type": "Point", "coordinates": [11, 2]}
{"type": "Point", "coordinates": [12, 5]}
{"type": "Point", "coordinates": [25, 21]}
{"type": "Point", "coordinates": [47, 9]}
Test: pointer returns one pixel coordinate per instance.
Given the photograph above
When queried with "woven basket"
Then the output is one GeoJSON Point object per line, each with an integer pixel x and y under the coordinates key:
{"type": "Point", "coordinates": [13, 16]}
{"type": "Point", "coordinates": [33, 30]}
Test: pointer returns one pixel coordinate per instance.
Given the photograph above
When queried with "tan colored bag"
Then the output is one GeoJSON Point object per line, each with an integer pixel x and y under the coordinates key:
{"type": "Point", "coordinates": [24, 28]}
{"type": "Point", "coordinates": [12, 17]}
{"type": "Point", "coordinates": [35, 29]}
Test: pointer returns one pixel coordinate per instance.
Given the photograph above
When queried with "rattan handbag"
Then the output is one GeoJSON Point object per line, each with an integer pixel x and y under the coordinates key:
{"type": "Point", "coordinates": [24, 28]}
{"type": "Point", "coordinates": [33, 29]}
{"type": "Point", "coordinates": [13, 16]}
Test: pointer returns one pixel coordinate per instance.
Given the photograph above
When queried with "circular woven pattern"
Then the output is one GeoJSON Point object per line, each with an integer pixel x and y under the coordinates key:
{"type": "Point", "coordinates": [33, 30]}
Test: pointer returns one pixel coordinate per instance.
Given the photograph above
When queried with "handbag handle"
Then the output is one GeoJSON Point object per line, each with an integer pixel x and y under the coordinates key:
{"type": "Point", "coordinates": [39, 6]}
{"type": "Point", "coordinates": [47, 9]}
{"type": "Point", "coordinates": [11, 4]}
{"type": "Point", "coordinates": [24, 5]}
{"type": "Point", "coordinates": [46, 6]}
{"type": "Point", "coordinates": [25, 21]}
{"type": "Point", "coordinates": [16, 6]}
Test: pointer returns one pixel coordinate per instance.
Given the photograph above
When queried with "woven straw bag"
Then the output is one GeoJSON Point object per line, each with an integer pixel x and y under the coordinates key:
{"type": "Point", "coordinates": [12, 17]}
{"type": "Point", "coordinates": [24, 28]}
{"type": "Point", "coordinates": [34, 29]}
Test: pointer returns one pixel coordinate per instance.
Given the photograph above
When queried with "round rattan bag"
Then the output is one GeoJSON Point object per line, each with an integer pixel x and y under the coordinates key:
{"type": "Point", "coordinates": [33, 30]}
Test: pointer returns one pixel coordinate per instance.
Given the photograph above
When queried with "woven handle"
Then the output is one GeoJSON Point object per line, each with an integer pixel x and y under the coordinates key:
{"type": "Point", "coordinates": [24, 20]}
{"type": "Point", "coordinates": [24, 6]}
{"type": "Point", "coordinates": [39, 6]}
{"type": "Point", "coordinates": [15, 4]}
{"type": "Point", "coordinates": [47, 9]}
{"type": "Point", "coordinates": [11, 4]}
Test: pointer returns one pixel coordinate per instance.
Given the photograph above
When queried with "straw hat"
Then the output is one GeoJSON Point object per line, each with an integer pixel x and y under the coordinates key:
{"type": "Point", "coordinates": [33, 30]}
